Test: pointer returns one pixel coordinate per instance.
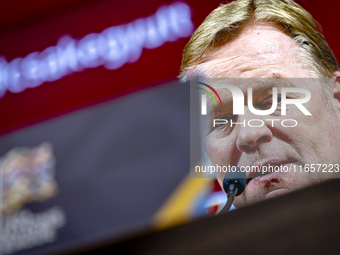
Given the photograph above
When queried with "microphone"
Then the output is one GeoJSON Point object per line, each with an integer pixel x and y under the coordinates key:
{"type": "Point", "coordinates": [234, 183]}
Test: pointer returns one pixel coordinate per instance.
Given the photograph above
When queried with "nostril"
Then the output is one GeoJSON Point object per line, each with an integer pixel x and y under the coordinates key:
{"type": "Point", "coordinates": [263, 138]}
{"type": "Point", "coordinates": [245, 147]}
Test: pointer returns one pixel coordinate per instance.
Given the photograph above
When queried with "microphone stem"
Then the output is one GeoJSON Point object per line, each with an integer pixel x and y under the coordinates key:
{"type": "Point", "coordinates": [230, 201]}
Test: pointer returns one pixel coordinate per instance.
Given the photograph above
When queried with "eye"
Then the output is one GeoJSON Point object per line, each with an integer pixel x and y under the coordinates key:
{"type": "Point", "coordinates": [227, 117]}
{"type": "Point", "coordinates": [223, 123]}
{"type": "Point", "coordinates": [268, 102]}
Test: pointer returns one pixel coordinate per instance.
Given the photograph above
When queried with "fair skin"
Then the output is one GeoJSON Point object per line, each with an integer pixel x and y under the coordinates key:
{"type": "Point", "coordinates": [263, 51]}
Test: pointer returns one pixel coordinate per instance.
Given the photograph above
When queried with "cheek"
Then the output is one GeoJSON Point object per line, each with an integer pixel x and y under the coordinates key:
{"type": "Point", "coordinates": [220, 177]}
{"type": "Point", "coordinates": [218, 150]}
{"type": "Point", "coordinates": [329, 134]}
{"type": "Point", "coordinates": [320, 132]}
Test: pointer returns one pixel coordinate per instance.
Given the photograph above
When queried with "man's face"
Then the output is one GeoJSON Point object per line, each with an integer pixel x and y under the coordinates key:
{"type": "Point", "coordinates": [265, 52]}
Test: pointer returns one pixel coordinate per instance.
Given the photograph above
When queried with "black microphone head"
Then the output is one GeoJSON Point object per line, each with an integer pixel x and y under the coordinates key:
{"type": "Point", "coordinates": [235, 176]}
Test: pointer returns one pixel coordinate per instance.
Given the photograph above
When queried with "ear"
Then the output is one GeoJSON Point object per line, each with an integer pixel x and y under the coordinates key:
{"type": "Point", "coordinates": [336, 90]}
{"type": "Point", "coordinates": [337, 86]}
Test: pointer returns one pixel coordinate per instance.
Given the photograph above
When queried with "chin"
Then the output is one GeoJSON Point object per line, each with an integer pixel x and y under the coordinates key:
{"type": "Point", "coordinates": [244, 201]}
{"type": "Point", "coordinates": [276, 193]}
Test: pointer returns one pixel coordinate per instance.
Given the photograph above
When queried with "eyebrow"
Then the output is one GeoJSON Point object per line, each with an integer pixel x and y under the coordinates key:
{"type": "Point", "coordinates": [261, 85]}
{"type": "Point", "coordinates": [276, 75]}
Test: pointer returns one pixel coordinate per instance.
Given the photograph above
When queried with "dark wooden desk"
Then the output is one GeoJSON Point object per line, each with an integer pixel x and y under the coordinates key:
{"type": "Point", "coordinates": [306, 221]}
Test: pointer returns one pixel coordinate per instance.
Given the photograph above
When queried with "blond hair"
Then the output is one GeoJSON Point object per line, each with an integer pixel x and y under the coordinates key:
{"type": "Point", "coordinates": [226, 22]}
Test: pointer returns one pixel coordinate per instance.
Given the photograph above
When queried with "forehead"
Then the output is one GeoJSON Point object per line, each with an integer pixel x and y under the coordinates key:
{"type": "Point", "coordinates": [228, 88]}
{"type": "Point", "coordinates": [257, 84]}
{"type": "Point", "coordinates": [260, 51]}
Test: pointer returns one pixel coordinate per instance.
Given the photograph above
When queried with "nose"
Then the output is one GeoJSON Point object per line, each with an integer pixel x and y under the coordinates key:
{"type": "Point", "coordinates": [249, 137]}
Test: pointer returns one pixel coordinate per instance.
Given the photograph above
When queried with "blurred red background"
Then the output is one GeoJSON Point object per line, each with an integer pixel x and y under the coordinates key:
{"type": "Point", "coordinates": [28, 26]}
